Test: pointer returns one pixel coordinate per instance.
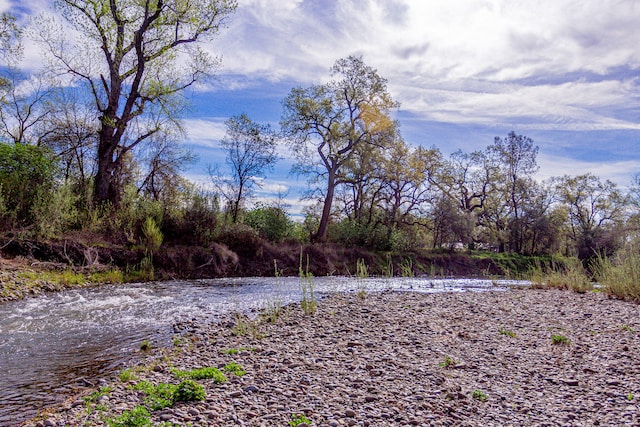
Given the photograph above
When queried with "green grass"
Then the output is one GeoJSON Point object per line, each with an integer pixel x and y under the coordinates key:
{"type": "Point", "coordinates": [137, 417]}
{"type": "Point", "coordinates": [479, 395]}
{"type": "Point", "coordinates": [206, 373]}
{"type": "Point", "coordinates": [447, 363]}
{"type": "Point", "coordinates": [507, 333]}
{"type": "Point", "coordinates": [620, 275]}
{"type": "Point", "coordinates": [164, 395]}
{"type": "Point", "coordinates": [235, 369]}
{"type": "Point", "coordinates": [127, 375]}
{"type": "Point", "coordinates": [569, 275]}
{"type": "Point", "coordinates": [158, 396]}
{"type": "Point", "coordinates": [627, 328]}
{"type": "Point", "coordinates": [308, 303]}
{"type": "Point", "coordinates": [560, 340]}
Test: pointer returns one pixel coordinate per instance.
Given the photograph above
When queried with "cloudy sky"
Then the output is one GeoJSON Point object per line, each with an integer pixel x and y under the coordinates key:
{"type": "Point", "coordinates": [563, 72]}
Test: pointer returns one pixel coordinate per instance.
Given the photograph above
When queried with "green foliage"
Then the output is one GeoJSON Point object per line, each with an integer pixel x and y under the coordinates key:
{"type": "Point", "coordinates": [26, 182]}
{"type": "Point", "coordinates": [479, 395]}
{"type": "Point", "coordinates": [189, 391]}
{"type": "Point", "coordinates": [627, 328]}
{"type": "Point", "coordinates": [234, 368]}
{"type": "Point", "coordinates": [507, 333]}
{"type": "Point", "coordinates": [137, 417]}
{"type": "Point", "coordinates": [158, 396]}
{"type": "Point", "coordinates": [127, 375]}
{"type": "Point", "coordinates": [620, 276]}
{"type": "Point", "coordinates": [448, 362]}
{"type": "Point", "coordinates": [206, 373]}
{"type": "Point", "coordinates": [299, 419]}
{"type": "Point", "coordinates": [270, 222]}
{"type": "Point", "coordinates": [560, 340]}
{"type": "Point", "coordinates": [151, 235]}
{"type": "Point", "coordinates": [96, 395]}
{"type": "Point", "coordinates": [145, 345]}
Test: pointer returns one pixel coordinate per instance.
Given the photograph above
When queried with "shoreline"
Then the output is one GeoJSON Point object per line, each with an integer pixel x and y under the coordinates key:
{"type": "Point", "coordinates": [389, 359]}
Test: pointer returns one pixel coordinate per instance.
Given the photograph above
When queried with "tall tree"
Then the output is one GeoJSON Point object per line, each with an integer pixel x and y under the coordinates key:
{"type": "Point", "coordinates": [515, 157]}
{"type": "Point", "coordinates": [594, 209]}
{"type": "Point", "coordinates": [135, 56]}
{"type": "Point", "coordinates": [334, 119]}
{"type": "Point", "coordinates": [251, 150]}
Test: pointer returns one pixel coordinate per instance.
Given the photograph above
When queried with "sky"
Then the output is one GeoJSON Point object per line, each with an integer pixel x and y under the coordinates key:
{"type": "Point", "coordinates": [565, 73]}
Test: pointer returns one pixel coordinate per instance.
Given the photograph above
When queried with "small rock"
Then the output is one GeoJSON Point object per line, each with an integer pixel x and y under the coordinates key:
{"type": "Point", "coordinates": [251, 389]}
{"type": "Point", "coordinates": [350, 413]}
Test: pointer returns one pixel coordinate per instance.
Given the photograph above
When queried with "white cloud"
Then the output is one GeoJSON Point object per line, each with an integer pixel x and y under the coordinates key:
{"type": "Point", "coordinates": [206, 132]}
{"type": "Point", "coordinates": [472, 61]}
{"type": "Point", "coordinates": [620, 172]}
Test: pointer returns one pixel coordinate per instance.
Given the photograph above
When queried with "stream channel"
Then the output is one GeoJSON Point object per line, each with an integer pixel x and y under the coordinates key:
{"type": "Point", "coordinates": [55, 344]}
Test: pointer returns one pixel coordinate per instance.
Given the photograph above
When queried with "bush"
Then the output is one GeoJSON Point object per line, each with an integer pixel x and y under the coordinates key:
{"type": "Point", "coordinates": [189, 391]}
{"type": "Point", "coordinates": [27, 176]}
{"type": "Point", "coordinates": [271, 223]}
{"type": "Point", "coordinates": [197, 224]}
{"type": "Point", "coordinates": [137, 417]}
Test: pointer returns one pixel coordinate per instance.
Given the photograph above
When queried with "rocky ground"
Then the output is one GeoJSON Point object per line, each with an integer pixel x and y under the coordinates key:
{"type": "Point", "coordinates": [403, 359]}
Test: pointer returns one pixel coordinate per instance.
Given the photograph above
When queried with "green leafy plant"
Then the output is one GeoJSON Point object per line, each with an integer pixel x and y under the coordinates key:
{"type": "Point", "coordinates": [479, 395]}
{"type": "Point", "coordinates": [447, 363]}
{"type": "Point", "coordinates": [234, 368]}
{"type": "Point", "coordinates": [207, 373]}
{"type": "Point", "coordinates": [158, 396]}
{"type": "Point", "coordinates": [299, 419]}
{"type": "Point", "coordinates": [560, 340]}
{"type": "Point", "coordinates": [189, 391]}
{"type": "Point", "coordinates": [630, 396]}
{"type": "Point", "coordinates": [137, 417]}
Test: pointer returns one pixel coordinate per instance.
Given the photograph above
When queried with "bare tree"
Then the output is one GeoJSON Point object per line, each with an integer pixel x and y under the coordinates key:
{"type": "Point", "coordinates": [251, 150]}
{"type": "Point", "coordinates": [25, 106]}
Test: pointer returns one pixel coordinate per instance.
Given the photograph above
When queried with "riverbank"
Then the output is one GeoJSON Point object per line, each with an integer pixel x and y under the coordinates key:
{"type": "Point", "coordinates": [521, 357]}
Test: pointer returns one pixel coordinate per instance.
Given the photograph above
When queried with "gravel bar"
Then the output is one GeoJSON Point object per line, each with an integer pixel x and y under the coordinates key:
{"type": "Point", "coordinates": [522, 357]}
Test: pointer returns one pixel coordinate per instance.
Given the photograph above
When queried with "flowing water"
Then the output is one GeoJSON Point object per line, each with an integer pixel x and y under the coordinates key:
{"type": "Point", "coordinates": [56, 343]}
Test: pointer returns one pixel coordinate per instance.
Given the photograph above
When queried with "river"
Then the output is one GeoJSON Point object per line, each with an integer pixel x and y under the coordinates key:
{"type": "Point", "coordinates": [58, 343]}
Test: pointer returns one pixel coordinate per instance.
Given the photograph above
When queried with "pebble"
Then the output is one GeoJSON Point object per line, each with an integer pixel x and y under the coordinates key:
{"type": "Point", "coordinates": [378, 362]}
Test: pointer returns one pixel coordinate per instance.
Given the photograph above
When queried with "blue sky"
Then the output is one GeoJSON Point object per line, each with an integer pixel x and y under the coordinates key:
{"type": "Point", "coordinates": [563, 72]}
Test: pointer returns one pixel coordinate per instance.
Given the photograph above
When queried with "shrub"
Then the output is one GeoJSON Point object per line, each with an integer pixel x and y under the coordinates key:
{"type": "Point", "coordinates": [189, 391]}
{"type": "Point", "coordinates": [27, 177]}
{"type": "Point", "coordinates": [271, 223]}
{"type": "Point", "coordinates": [137, 417]}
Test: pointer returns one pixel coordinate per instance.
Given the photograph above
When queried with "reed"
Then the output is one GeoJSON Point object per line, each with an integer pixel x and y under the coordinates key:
{"type": "Point", "coordinates": [620, 275]}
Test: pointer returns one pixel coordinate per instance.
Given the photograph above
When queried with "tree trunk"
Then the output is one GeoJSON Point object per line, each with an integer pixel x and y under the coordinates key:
{"type": "Point", "coordinates": [321, 235]}
{"type": "Point", "coordinates": [105, 190]}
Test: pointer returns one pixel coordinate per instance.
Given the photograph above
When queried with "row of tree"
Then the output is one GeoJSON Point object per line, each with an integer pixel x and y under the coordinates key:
{"type": "Point", "coordinates": [101, 151]}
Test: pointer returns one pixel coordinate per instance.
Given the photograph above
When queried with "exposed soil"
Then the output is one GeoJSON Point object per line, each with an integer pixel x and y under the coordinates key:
{"type": "Point", "coordinates": [403, 359]}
